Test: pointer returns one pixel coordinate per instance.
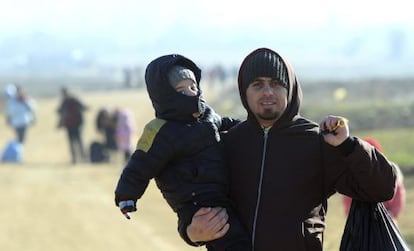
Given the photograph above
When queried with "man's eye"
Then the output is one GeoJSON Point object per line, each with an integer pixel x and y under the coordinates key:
{"type": "Point", "coordinates": [256, 84]}
{"type": "Point", "coordinates": [276, 83]}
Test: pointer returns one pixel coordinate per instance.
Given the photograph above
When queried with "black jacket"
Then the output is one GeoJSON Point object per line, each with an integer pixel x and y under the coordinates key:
{"type": "Point", "coordinates": [186, 161]}
{"type": "Point", "coordinates": [183, 154]}
{"type": "Point", "coordinates": [280, 180]}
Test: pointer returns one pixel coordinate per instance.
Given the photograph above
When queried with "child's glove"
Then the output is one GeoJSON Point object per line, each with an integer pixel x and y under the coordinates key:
{"type": "Point", "coordinates": [127, 206]}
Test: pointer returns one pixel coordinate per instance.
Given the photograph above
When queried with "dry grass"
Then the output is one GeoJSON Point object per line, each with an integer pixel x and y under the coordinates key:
{"type": "Point", "coordinates": [48, 204]}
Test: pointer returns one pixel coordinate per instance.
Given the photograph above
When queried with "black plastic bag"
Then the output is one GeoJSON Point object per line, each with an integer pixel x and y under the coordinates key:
{"type": "Point", "coordinates": [369, 227]}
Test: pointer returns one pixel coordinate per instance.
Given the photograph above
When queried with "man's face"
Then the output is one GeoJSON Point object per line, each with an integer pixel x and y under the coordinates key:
{"type": "Point", "coordinates": [267, 99]}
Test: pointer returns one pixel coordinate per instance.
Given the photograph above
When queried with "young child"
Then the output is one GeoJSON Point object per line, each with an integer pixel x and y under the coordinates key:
{"type": "Point", "coordinates": [181, 150]}
{"type": "Point", "coordinates": [394, 206]}
{"type": "Point", "coordinates": [124, 131]}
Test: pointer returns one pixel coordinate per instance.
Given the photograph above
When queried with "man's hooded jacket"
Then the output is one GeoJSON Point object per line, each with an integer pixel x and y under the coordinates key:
{"type": "Point", "coordinates": [280, 179]}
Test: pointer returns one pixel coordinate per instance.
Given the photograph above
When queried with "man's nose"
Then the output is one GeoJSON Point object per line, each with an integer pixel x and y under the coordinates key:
{"type": "Point", "coordinates": [267, 89]}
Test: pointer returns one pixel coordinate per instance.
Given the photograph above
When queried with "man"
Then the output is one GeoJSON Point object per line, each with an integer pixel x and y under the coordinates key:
{"type": "Point", "coordinates": [284, 167]}
{"type": "Point", "coordinates": [70, 113]}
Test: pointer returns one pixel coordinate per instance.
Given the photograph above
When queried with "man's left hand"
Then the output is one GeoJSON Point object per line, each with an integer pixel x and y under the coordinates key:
{"type": "Point", "coordinates": [335, 129]}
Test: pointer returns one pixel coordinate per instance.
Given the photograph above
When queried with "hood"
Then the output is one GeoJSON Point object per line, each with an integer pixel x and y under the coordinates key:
{"type": "Point", "coordinates": [294, 89]}
{"type": "Point", "coordinates": [169, 104]}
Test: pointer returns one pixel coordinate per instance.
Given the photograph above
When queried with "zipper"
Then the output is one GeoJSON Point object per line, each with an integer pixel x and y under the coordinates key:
{"type": "Point", "coordinates": [259, 187]}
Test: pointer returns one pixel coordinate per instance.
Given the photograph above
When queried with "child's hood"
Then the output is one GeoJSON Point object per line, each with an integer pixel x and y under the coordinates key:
{"type": "Point", "coordinates": [169, 104]}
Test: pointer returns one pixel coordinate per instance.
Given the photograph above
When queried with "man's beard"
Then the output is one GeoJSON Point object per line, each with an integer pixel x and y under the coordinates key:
{"type": "Point", "coordinates": [269, 115]}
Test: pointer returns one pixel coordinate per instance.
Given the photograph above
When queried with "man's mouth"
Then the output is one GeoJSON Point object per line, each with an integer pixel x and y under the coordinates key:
{"type": "Point", "coordinates": [267, 103]}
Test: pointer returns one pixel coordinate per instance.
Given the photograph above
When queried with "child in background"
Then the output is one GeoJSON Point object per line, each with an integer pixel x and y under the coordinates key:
{"type": "Point", "coordinates": [124, 131]}
{"type": "Point", "coordinates": [394, 206]}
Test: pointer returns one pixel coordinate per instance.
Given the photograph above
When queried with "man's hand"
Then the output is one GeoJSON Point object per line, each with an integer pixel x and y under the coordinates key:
{"type": "Point", "coordinates": [335, 129]}
{"type": "Point", "coordinates": [126, 207]}
{"type": "Point", "coordinates": [208, 224]}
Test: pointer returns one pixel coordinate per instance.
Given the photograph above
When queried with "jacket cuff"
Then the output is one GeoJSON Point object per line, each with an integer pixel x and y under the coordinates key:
{"type": "Point", "coordinates": [348, 146]}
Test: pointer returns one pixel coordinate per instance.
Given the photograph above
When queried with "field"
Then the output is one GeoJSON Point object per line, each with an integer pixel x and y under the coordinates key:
{"type": "Point", "coordinates": [49, 204]}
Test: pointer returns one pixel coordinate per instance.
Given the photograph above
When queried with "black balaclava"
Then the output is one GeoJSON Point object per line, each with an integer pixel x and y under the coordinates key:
{"type": "Point", "coordinates": [168, 103]}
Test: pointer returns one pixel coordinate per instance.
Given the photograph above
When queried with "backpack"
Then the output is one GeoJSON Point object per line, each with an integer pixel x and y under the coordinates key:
{"type": "Point", "coordinates": [98, 153]}
{"type": "Point", "coordinates": [12, 152]}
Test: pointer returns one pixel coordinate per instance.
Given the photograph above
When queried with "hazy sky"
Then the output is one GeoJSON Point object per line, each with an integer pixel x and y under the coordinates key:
{"type": "Point", "coordinates": [224, 23]}
{"type": "Point", "coordinates": [100, 14]}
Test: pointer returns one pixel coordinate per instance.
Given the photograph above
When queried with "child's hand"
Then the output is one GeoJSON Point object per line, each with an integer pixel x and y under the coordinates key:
{"type": "Point", "coordinates": [126, 207]}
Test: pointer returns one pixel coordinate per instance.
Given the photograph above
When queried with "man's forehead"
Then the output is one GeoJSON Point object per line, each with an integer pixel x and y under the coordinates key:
{"type": "Point", "coordinates": [263, 78]}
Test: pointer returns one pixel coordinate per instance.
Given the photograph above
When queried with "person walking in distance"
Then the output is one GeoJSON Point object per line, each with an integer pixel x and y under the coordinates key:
{"type": "Point", "coordinates": [71, 118]}
{"type": "Point", "coordinates": [20, 111]}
